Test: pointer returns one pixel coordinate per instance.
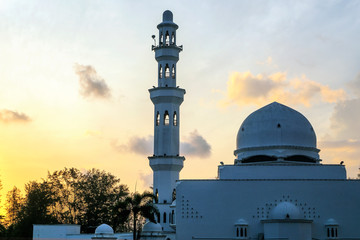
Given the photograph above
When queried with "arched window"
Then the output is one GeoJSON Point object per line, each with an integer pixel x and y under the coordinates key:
{"type": "Point", "coordinates": [160, 71]}
{"type": "Point", "coordinates": [166, 118]}
{"type": "Point", "coordinates": [175, 119]}
{"type": "Point", "coordinates": [167, 71]}
{"type": "Point", "coordinates": [172, 38]}
{"type": "Point", "coordinates": [173, 71]}
{"type": "Point", "coordinates": [241, 229]}
{"type": "Point", "coordinates": [161, 39]}
{"type": "Point", "coordinates": [164, 217]}
{"type": "Point", "coordinates": [157, 119]}
{"type": "Point", "coordinates": [332, 229]}
{"type": "Point", "coordinates": [167, 39]}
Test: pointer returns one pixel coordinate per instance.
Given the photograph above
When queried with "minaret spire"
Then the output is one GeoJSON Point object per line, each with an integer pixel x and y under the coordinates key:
{"type": "Point", "coordinates": [167, 98]}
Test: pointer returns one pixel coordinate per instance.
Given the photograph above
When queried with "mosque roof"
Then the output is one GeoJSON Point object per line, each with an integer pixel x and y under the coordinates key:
{"type": "Point", "coordinates": [278, 131]}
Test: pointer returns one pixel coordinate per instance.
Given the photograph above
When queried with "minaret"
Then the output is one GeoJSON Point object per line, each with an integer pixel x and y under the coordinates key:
{"type": "Point", "coordinates": [167, 98]}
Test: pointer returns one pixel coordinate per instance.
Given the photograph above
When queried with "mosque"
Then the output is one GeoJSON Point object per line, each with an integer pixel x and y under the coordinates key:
{"type": "Point", "coordinates": [277, 188]}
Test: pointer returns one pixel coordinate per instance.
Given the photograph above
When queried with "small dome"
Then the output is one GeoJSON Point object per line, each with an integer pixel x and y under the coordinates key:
{"type": "Point", "coordinates": [276, 131]}
{"type": "Point", "coordinates": [167, 16]}
{"type": "Point", "coordinates": [241, 222]}
{"type": "Point", "coordinates": [152, 227]}
{"type": "Point", "coordinates": [285, 210]}
{"type": "Point", "coordinates": [104, 229]}
{"type": "Point", "coordinates": [331, 222]}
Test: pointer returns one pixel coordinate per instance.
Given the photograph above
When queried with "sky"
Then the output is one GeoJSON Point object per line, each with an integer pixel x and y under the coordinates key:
{"type": "Point", "coordinates": [75, 75]}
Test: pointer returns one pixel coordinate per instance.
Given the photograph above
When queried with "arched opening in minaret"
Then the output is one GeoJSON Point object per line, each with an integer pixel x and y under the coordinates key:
{"type": "Point", "coordinates": [172, 38]}
{"type": "Point", "coordinates": [166, 118]}
{"type": "Point", "coordinates": [160, 71]}
{"type": "Point", "coordinates": [167, 38]}
{"type": "Point", "coordinates": [175, 119]}
{"type": "Point", "coordinates": [161, 39]}
{"type": "Point", "coordinates": [157, 119]}
{"type": "Point", "coordinates": [173, 71]}
{"type": "Point", "coordinates": [156, 196]}
{"type": "Point", "coordinates": [172, 216]}
{"type": "Point", "coordinates": [167, 71]}
{"type": "Point", "coordinates": [164, 217]}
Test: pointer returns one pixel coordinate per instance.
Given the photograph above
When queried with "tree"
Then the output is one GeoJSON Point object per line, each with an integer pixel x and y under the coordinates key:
{"type": "Point", "coordinates": [67, 196]}
{"type": "Point", "coordinates": [86, 198]}
{"type": "Point", "coordinates": [2, 228]}
{"type": "Point", "coordinates": [14, 202]}
{"type": "Point", "coordinates": [98, 192]}
{"type": "Point", "coordinates": [34, 210]}
{"type": "Point", "coordinates": [138, 206]}
{"type": "Point", "coordinates": [63, 183]}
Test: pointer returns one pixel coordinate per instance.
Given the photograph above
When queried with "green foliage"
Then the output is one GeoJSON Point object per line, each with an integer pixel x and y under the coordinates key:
{"type": "Point", "coordinates": [2, 227]}
{"type": "Point", "coordinates": [34, 210]}
{"type": "Point", "coordinates": [65, 207]}
{"type": "Point", "coordinates": [70, 196]}
{"type": "Point", "coordinates": [14, 202]}
{"type": "Point", "coordinates": [98, 192]}
{"type": "Point", "coordinates": [138, 206]}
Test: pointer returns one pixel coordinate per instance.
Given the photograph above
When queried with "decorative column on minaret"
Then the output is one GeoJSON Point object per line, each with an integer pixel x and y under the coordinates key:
{"type": "Point", "coordinates": [167, 98]}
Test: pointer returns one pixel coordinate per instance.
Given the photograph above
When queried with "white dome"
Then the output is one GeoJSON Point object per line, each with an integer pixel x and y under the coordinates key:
{"type": "Point", "coordinates": [285, 210]}
{"type": "Point", "coordinates": [104, 229]}
{"type": "Point", "coordinates": [152, 227]}
{"type": "Point", "coordinates": [276, 131]}
{"type": "Point", "coordinates": [331, 222]}
{"type": "Point", "coordinates": [241, 222]}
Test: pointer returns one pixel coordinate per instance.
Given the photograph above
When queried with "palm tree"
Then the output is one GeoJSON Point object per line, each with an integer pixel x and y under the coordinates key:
{"type": "Point", "coordinates": [138, 205]}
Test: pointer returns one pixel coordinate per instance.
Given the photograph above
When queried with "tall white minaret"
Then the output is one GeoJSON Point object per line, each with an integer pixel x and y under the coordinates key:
{"type": "Point", "coordinates": [167, 98]}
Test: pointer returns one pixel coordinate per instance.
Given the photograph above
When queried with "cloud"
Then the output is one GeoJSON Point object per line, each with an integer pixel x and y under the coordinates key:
{"type": "Point", "coordinates": [345, 119]}
{"type": "Point", "coordinates": [138, 145]}
{"type": "Point", "coordinates": [355, 85]}
{"type": "Point", "coordinates": [342, 145]}
{"type": "Point", "coordinates": [343, 150]}
{"type": "Point", "coordinates": [195, 145]}
{"type": "Point", "coordinates": [13, 116]}
{"type": "Point", "coordinates": [268, 61]}
{"type": "Point", "coordinates": [244, 88]}
{"type": "Point", "coordinates": [91, 84]}
{"type": "Point", "coordinates": [146, 179]}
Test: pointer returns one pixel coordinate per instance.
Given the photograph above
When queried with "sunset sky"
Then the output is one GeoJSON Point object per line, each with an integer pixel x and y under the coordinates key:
{"type": "Point", "coordinates": [75, 76]}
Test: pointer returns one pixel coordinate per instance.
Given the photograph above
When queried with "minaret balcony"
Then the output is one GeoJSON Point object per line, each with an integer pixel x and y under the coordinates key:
{"type": "Point", "coordinates": [167, 95]}
{"type": "Point", "coordinates": [165, 52]}
{"type": "Point", "coordinates": [166, 163]}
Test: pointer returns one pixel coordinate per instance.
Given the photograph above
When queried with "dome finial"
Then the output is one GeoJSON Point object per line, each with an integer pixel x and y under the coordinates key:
{"type": "Point", "coordinates": [167, 16]}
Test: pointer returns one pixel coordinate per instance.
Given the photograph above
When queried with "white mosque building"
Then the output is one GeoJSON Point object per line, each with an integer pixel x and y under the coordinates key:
{"type": "Point", "coordinates": [277, 188]}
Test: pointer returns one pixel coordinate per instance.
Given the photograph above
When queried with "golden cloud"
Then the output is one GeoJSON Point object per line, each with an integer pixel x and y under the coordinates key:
{"type": "Point", "coordinates": [245, 88]}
